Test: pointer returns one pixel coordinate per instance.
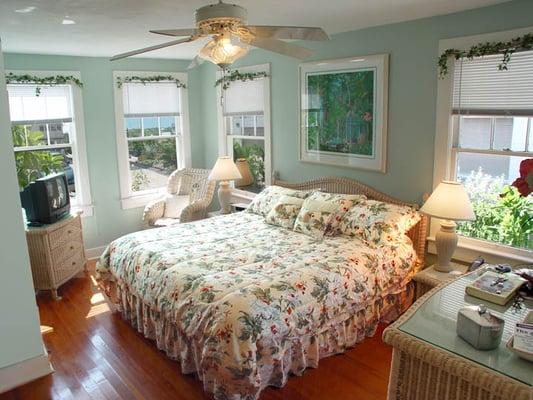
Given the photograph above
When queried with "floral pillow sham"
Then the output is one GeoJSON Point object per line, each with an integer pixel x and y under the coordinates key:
{"type": "Point", "coordinates": [378, 222]}
{"type": "Point", "coordinates": [322, 212]}
{"type": "Point", "coordinates": [269, 197]}
{"type": "Point", "coordinates": [284, 212]}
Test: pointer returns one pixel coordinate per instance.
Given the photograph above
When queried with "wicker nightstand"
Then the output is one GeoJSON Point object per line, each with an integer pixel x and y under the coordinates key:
{"type": "Point", "coordinates": [428, 278]}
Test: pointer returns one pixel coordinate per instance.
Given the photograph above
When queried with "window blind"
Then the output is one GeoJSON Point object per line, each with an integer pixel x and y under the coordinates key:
{"type": "Point", "coordinates": [161, 98]}
{"type": "Point", "coordinates": [245, 98]}
{"type": "Point", "coordinates": [480, 88]}
{"type": "Point", "coordinates": [52, 105]}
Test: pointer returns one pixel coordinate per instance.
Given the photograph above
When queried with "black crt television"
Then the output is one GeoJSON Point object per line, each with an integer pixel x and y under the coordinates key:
{"type": "Point", "coordinates": [46, 200]}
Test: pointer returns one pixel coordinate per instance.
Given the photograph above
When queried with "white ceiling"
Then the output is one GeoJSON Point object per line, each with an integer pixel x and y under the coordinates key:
{"type": "Point", "coordinates": [107, 27]}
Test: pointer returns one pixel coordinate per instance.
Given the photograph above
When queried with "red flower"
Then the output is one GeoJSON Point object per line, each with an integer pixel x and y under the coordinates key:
{"type": "Point", "coordinates": [367, 117]}
{"type": "Point", "coordinates": [274, 329]}
{"type": "Point", "coordinates": [524, 183]}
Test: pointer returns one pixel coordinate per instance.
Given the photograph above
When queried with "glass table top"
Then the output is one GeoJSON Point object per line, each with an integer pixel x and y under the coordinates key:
{"type": "Point", "coordinates": [435, 322]}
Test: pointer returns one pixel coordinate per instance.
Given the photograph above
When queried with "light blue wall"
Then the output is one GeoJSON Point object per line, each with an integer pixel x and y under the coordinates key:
{"type": "Point", "coordinates": [413, 49]}
{"type": "Point", "coordinates": [109, 220]}
{"type": "Point", "coordinates": [20, 337]}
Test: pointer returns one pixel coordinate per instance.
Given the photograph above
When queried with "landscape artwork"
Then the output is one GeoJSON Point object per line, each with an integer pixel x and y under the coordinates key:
{"type": "Point", "coordinates": [343, 112]}
{"type": "Point", "coordinates": [340, 113]}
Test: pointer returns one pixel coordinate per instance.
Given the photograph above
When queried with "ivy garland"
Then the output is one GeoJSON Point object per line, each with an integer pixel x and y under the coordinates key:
{"type": "Point", "coordinates": [235, 75]}
{"type": "Point", "coordinates": [507, 49]}
{"type": "Point", "coordinates": [44, 81]}
{"type": "Point", "coordinates": [147, 79]}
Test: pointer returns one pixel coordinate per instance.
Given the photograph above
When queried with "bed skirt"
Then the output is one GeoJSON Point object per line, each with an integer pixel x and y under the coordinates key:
{"type": "Point", "coordinates": [298, 353]}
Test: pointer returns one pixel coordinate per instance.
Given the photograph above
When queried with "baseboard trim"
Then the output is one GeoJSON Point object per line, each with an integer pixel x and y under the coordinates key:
{"type": "Point", "coordinates": [24, 372]}
{"type": "Point", "coordinates": [95, 252]}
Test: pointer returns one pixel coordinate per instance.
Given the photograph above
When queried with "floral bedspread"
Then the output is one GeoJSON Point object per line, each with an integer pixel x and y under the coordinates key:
{"type": "Point", "coordinates": [244, 304]}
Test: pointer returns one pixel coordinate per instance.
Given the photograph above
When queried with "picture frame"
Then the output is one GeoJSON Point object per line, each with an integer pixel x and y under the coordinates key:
{"type": "Point", "coordinates": [343, 112]}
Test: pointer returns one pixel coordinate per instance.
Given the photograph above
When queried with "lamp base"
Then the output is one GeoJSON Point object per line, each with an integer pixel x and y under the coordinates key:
{"type": "Point", "coordinates": [446, 243]}
{"type": "Point", "coordinates": [224, 195]}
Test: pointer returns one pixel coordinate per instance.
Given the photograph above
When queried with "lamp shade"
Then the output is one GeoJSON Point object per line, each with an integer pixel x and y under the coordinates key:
{"type": "Point", "coordinates": [224, 170]}
{"type": "Point", "coordinates": [449, 201]}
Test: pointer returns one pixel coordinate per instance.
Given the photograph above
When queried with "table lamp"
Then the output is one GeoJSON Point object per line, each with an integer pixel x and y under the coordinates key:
{"type": "Point", "coordinates": [449, 202]}
{"type": "Point", "coordinates": [224, 171]}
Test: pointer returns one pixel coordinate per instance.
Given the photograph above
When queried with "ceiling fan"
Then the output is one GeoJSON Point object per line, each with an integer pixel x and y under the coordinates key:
{"type": "Point", "coordinates": [231, 37]}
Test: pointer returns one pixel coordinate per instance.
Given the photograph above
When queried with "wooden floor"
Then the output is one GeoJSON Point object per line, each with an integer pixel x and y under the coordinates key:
{"type": "Point", "coordinates": [97, 355]}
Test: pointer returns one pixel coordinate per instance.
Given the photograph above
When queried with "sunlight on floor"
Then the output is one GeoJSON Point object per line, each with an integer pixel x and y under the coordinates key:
{"type": "Point", "coordinates": [97, 310]}
{"type": "Point", "coordinates": [97, 298]}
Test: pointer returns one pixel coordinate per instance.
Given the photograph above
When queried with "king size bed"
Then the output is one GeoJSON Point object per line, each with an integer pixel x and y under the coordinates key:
{"type": "Point", "coordinates": [244, 303]}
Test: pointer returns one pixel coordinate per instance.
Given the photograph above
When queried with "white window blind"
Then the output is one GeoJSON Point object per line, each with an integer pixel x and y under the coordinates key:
{"type": "Point", "coordinates": [53, 103]}
{"type": "Point", "coordinates": [480, 88]}
{"type": "Point", "coordinates": [245, 97]}
{"type": "Point", "coordinates": [161, 98]}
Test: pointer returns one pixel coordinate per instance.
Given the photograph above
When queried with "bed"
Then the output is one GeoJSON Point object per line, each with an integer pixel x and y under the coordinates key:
{"type": "Point", "coordinates": [244, 304]}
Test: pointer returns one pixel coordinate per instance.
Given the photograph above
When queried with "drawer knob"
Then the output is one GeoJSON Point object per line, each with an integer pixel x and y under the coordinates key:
{"type": "Point", "coordinates": [73, 262]}
{"type": "Point", "coordinates": [69, 231]}
{"type": "Point", "coordinates": [71, 247]}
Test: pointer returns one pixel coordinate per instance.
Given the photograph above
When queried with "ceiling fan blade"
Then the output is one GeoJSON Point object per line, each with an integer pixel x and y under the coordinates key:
{"type": "Point", "coordinates": [146, 49]}
{"type": "Point", "coordinates": [288, 32]}
{"type": "Point", "coordinates": [196, 61]}
{"type": "Point", "coordinates": [278, 46]}
{"type": "Point", "coordinates": [176, 32]}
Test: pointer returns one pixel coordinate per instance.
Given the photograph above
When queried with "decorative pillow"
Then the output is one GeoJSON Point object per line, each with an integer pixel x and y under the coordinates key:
{"type": "Point", "coordinates": [265, 201]}
{"type": "Point", "coordinates": [174, 204]}
{"type": "Point", "coordinates": [378, 222]}
{"type": "Point", "coordinates": [284, 212]}
{"type": "Point", "coordinates": [322, 212]}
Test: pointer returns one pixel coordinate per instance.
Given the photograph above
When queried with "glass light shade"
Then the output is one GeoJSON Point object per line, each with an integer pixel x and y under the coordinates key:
{"type": "Point", "coordinates": [225, 170]}
{"type": "Point", "coordinates": [221, 51]}
{"type": "Point", "coordinates": [449, 201]}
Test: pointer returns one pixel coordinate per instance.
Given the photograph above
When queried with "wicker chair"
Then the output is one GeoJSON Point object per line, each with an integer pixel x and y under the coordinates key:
{"type": "Point", "coordinates": [189, 192]}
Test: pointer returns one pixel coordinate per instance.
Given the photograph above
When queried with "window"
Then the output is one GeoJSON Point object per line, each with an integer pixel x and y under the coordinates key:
{"type": "Point", "coordinates": [245, 130]}
{"type": "Point", "coordinates": [492, 128]}
{"type": "Point", "coordinates": [152, 136]}
{"type": "Point", "coordinates": [48, 137]}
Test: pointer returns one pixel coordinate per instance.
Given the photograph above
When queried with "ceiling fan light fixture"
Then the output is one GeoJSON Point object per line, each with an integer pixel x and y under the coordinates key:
{"type": "Point", "coordinates": [222, 52]}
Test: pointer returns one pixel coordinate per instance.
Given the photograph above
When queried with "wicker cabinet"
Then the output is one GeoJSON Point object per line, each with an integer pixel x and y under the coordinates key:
{"type": "Point", "coordinates": [56, 253]}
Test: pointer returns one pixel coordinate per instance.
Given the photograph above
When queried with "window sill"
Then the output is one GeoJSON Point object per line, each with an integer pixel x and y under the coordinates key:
{"type": "Point", "coordinates": [140, 200]}
{"type": "Point", "coordinates": [468, 249]}
{"type": "Point", "coordinates": [84, 210]}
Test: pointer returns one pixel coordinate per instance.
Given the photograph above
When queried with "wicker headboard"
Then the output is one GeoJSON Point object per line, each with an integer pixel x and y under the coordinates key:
{"type": "Point", "coordinates": [333, 184]}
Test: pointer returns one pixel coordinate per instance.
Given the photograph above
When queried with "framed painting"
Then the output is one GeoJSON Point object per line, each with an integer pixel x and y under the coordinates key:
{"type": "Point", "coordinates": [343, 112]}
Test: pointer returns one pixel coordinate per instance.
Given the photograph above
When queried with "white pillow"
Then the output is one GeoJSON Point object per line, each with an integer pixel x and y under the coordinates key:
{"type": "Point", "coordinates": [174, 204]}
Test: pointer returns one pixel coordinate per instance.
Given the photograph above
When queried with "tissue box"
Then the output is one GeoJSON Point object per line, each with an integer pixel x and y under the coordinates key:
{"type": "Point", "coordinates": [479, 327]}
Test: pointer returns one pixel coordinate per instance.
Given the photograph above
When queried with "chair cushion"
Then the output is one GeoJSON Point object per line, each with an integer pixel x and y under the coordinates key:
{"type": "Point", "coordinates": [165, 222]}
{"type": "Point", "coordinates": [174, 204]}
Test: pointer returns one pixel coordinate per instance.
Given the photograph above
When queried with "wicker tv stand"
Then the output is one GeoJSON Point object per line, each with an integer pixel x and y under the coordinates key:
{"type": "Point", "coordinates": [56, 253]}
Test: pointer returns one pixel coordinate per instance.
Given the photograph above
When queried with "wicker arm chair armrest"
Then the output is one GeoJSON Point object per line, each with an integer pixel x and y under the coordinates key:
{"type": "Point", "coordinates": [194, 211]}
{"type": "Point", "coordinates": [153, 211]}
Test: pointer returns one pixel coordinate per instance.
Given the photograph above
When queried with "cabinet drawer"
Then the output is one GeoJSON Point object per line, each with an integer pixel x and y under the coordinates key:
{"type": "Point", "coordinates": [68, 267]}
{"type": "Point", "coordinates": [68, 250]}
{"type": "Point", "coordinates": [66, 234]}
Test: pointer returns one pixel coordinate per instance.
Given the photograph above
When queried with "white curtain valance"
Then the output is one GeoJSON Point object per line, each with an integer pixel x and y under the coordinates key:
{"type": "Point", "coordinates": [158, 98]}
{"type": "Point", "coordinates": [480, 88]}
{"type": "Point", "coordinates": [245, 97]}
{"type": "Point", "coordinates": [53, 103]}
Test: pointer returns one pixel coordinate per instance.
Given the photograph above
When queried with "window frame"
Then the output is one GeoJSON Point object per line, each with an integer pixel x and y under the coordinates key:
{"type": "Point", "coordinates": [128, 198]}
{"type": "Point", "coordinates": [224, 148]}
{"type": "Point", "coordinates": [444, 161]}
{"type": "Point", "coordinates": [84, 202]}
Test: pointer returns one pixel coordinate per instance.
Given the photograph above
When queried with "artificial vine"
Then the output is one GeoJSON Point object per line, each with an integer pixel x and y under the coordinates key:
{"type": "Point", "coordinates": [43, 81]}
{"type": "Point", "coordinates": [235, 75]}
{"type": "Point", "coordinates": [507, 49]}
{"type": "Point", "coordinates": [148, 79]}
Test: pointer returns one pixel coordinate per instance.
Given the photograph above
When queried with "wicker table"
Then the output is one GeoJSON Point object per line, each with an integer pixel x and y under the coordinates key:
{"type": "Point", "coordinates": [431, 362]}
{"type": "Point", "coordinates": [428, 278]}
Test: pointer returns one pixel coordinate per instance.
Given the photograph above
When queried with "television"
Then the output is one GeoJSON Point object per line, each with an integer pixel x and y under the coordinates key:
{"type": "Point", "coordinates": [46, 200]}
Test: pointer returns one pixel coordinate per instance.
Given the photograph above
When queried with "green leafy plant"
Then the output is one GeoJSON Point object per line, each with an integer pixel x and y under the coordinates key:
{"type": "Point", "coordinates": [255, 155]}
{"type": "Point", "coordinates": [502, 214]}
{"type": "Point", "coordinates": [149, 79]}
{"type": "Point", "coordinates": [44, 81]}
{"type": "Point", "coordinates": [507, 49]}
{"type": "Point", "coordinates": [236, 75]}
{"type": "Point", "coordinates": [32, 165]}
{"type": "Point", "coordinates": [139, 180]}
